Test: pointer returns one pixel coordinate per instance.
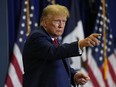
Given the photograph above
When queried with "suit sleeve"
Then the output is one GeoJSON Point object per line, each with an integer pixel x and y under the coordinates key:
{"type": "Point", "coordinates": [42, 46]}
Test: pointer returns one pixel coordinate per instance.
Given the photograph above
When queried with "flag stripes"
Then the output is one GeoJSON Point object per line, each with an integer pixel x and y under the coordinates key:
{"type": "Point", "coordinates": [95, 71]}
{"type": "Point", "coordinates": [15, 71]}
{"type": "Point", "coordinates": [8, 82]}
{"type": "Point", "coordinates": [96, 78]}
{"type": "Point", "coordinates": [100, 76]}
{"type": "Point", "coordinates": [112, 68]}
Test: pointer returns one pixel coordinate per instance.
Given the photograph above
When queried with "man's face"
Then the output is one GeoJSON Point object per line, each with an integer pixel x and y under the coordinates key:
{"type": "Point", "coordinates": [55, 25]}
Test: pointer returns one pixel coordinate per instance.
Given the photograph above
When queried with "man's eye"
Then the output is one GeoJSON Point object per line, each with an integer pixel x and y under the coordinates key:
{"type": "Point", "coordinates": [59, 21]}
{"type": "Point", "coordinates": [56, 21]}
{"type": "Point", "coordinates": [63, 21]}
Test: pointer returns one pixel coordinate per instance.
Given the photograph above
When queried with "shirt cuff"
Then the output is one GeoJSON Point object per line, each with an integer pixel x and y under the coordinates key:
{"type": "Point", "coordinates": [80, 50]}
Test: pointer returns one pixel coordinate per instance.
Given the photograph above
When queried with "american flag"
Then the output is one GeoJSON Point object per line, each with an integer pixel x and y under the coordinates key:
{"type": "Point", "coordinates": [27, 23]}
{"type": "Point", "coordinates": [101, 61]}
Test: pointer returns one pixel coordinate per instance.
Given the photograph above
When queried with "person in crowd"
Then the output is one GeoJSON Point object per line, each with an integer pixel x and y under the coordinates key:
{"type": "Point", "coordinates": [45, 59]}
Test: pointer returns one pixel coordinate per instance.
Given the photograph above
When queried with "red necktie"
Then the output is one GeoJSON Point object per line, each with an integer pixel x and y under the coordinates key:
{"type": "Point", "coordinates": [55, 42]}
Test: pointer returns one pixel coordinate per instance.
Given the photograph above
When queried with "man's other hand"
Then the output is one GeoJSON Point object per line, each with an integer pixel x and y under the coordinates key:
{"type": "Point", "coordinates": [81, 78]}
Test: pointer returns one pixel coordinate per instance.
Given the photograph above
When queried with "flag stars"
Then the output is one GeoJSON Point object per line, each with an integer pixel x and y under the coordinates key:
{"type": "Point", "coordinates": [111, 36]}
{"type": "Point", "coordinates": [23, 25]}
{"type": "Point", "coordinates": [110, 43]}
{"type": "Point", "coordinates": [99, 37]}
{"type": "Point", "coordinates": [27, 34]}
{"type": "Point", "coordinates": [99, 14]}
{"type": "Point", "coordinates": [100, 8]}
{"type": "Point", "coordinates": [24, 10]}
{"type": "Point", "coordinates": [31, 15]}
{"type": "Point", "coordinates": [21, 32]}
{"type": "Point", "coordinates": [101, 51]}
{"type": "Point", "coordinates": [100, 58]}
{"type": "Point", "coordinates": [20, 39]}
{"type": "Point", "coordinates": [32, 7]}
{"type": "Point", "coordinates": [100, 29]}
{"type": "Point", "coordinates": [36, 24]}
{"type": "Point", "coordinates": [96, 27]}
{"type": "Point", "coordinates": [106, 5]}
{"type": "Point", "coordinates": [30, 22]}
{"type": "Point", "coordinates": [103, 39]}
{"type": "Point", "coordinates": [97, 21]}
{"type": "Point", "coordinates": [102, 45]}
{"type": "Point", "coordinates": [101, 22]}
{"type": "Point", "coordinates": [102, 16]}
{"type": "Point", "coordinates": [25, 2]}
{"type": "Point", "coordinates": [23, 17]}
{"type": "Point", "coordinates": [109, 49]}
{"type": "Point", "coordinates": [96, 49]}
{"type": "Point", "coordinates": [108, 20]}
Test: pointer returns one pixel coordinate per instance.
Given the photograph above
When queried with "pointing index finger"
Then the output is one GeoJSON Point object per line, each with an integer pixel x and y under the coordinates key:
{"type": "Point", "coordinates": [96, 35]}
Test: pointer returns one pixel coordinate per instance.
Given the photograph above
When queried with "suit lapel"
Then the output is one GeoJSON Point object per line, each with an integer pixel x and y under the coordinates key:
{"type": "Point", "coordinates": [65, 62]}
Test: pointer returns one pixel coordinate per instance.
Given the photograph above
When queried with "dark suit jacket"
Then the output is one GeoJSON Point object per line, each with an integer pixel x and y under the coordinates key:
{"type": "Point", "coordinates": [45, 64]}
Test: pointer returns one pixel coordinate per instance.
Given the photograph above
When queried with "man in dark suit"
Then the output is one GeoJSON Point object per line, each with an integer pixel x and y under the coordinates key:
{"type": "Point", "coordinates": [45, 59]}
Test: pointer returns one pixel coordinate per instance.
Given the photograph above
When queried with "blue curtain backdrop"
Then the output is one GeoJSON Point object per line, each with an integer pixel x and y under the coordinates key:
{"type": "Point", "coordinates": [88, 12]}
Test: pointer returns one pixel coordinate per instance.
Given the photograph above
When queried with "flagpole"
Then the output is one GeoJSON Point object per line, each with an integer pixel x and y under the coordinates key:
{"type": "Point", "coordinates": [27, 18]}
{"type": "Point", "coordinates": [104, 42]}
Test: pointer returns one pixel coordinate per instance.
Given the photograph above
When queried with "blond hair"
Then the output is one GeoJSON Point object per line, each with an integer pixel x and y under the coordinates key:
{"type": "Point", "coordinates": [54, 9]}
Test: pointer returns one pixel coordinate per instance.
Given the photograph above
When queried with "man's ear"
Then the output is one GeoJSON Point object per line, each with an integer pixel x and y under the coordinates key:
{"type": "Point", "coordinates": [44, 22]}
